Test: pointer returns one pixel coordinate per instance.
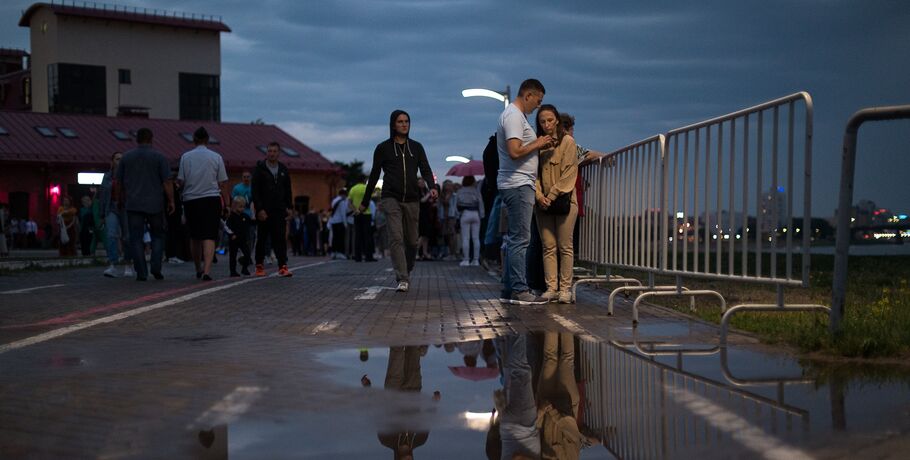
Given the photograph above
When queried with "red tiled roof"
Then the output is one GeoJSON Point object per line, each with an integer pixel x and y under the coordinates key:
{"type": "Point", "coordinates": [129, 14]}
{"type": "Point", "coordinates": [238, 143]}
{"type": "Point", "coordinates": [12, 52]}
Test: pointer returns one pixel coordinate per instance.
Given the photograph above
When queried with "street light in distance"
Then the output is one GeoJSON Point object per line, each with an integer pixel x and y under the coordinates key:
{"type": "Point", "coordinates": [458, 158]}
{"type": "Point", "coordinates": [504, 97]}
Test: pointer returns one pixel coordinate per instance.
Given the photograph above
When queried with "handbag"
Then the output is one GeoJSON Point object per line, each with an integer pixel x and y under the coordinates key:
{"type": "Point", "coordinates": [560, 205]}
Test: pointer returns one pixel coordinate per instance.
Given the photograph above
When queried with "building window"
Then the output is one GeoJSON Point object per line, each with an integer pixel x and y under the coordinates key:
{"type": "Point", "coordinates": [187, 137]}
{"type": "Point", "coordinates": [76, 88]}
{"type": "Point", "coordinates": [45, 131]}
{"type": "Point", "coordinates": [290, 152]}
{"type": "Point", "coordinates": [263, 149]}
{"type": "Point", "coordinates": [68, 133]}
{"type": "Point", "coordinates": [120, 135]}
{"type": "Point", "coordinates": [2, 94]}
{"type": "Point", "coordinates": [27, 90]}
{"type": "Point", "coordinates": [124, 77]}
{"type": "Point", "coordinates": [200, 97]}
{"type": "Point", "coordinates": [3, 131]}
{"type": "Point", "coordinates": [213, 140]}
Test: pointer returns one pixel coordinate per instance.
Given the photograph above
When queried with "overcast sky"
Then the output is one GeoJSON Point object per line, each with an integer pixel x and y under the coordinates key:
{"type": "Point", "coordinates": [330, 72]}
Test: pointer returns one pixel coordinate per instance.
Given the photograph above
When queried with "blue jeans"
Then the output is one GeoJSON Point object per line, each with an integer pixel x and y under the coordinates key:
{"type": "Point", "coordinates": [117, 231]}
{"type": "Point", "coordinates": [520, 205]}
{"type": "Point", "coordinates": [137, 223]}
{"type": "Point", "coordinates": [518, 421]}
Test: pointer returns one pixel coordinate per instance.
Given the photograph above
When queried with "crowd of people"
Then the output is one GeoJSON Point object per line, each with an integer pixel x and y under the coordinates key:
{"type": "Point", "coordinates": [521, 218]}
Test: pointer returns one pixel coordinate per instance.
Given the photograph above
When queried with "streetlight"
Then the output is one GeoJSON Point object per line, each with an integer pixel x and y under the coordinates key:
{"type": "Point", "coordinates": [458, 158]}
{"type": "Point", "coordinates": [503, 97]}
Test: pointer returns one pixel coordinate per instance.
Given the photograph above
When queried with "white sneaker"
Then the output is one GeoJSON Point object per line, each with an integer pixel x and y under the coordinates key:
{"type": "Point", "coordinates": [175, 260]}
{"type": "Point", "coordinates": [402, 286]}
{"type": "Point", "coordinates": [128, 271]}
{"type": "Point", "coordinates": [465, 263]}
{"type": "Point", "coordinates": [111, 272]}
{"type": "Point", "coordinates": [475, 264]}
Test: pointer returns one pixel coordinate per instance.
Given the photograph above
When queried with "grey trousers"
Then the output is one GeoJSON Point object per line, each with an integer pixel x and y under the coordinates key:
{"type": "Point", "coordinates": [401, 218]}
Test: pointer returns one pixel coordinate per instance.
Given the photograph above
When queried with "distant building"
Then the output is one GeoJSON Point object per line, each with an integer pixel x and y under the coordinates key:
{"type": "Point", "coordinates": [42, 155]}
{"type": "Point", "coordinates": [773, 210]}
{"type": "Point", "coordinates": [115, 60]}
{"type": "Point", "coordinates": [95, 75]}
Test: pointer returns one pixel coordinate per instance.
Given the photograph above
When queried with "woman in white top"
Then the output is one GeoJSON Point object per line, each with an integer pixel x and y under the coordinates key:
{"type": "Point", "coordinates": [470, 205]}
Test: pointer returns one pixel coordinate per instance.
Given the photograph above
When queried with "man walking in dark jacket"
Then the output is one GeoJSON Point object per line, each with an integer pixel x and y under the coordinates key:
{"type": "Point", "coordinates": [272, 200]}
{"type": "Point", "coordinates": [400, 158]}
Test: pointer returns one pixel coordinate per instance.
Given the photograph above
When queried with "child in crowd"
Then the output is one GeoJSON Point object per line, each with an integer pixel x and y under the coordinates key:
{"type": "Point", "coordinates": [238, 229]}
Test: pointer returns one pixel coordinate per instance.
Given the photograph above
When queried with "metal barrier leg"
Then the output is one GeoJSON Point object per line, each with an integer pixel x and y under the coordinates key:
{"type": "Point", "coordinates": [643, 290]}
{"type": "Point", "coordinates": [674, 292]}
{"type": "Point", "coordinates": [725, 321]}
{"type": "Point", "coordinates": [611, 279]}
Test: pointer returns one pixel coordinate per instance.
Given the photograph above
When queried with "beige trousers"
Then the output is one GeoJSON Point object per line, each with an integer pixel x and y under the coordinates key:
{"type": "Point", "coordinates": [558, 255]}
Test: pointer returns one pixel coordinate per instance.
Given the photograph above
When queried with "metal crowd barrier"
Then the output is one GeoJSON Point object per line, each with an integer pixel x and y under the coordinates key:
{"type": "Point", "coordinates": [642, 408]}
{"type": "Point", "coordinates": [679, 205]}
{"type": "Point", "coordinates": [845, 197]}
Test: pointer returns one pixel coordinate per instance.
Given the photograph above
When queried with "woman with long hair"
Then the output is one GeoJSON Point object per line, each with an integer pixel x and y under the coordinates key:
{"type": "Point", "coordinates": [470, 205]}
{"type": "Point", "coordinates": [557, 207]}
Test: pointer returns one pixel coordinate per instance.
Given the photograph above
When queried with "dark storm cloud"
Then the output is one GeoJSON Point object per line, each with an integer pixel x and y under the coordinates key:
{"type": "Point", "coordinates": [331, 71]}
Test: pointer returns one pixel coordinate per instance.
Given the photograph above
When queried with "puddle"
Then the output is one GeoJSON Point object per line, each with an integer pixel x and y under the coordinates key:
{"type": "Point", "coordinates": [569, 397]}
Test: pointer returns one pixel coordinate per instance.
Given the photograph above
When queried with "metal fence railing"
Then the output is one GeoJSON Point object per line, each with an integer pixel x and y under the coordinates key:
{"type": "Point", "coordinates": [845, 197]}
{"type": "Point", "coordinates": [641, 408]}
{"type": "Point", "coordinates": [712, 200]}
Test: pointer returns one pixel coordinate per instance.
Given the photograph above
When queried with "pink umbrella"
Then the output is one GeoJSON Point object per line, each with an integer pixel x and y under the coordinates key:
{"type": "Point", "coordinates": [475, 373]}
{"type": "Point", "coordinates": [471, 168]}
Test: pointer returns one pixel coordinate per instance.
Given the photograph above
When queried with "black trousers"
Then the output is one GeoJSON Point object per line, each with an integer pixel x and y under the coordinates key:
{"type": "Point", "coordinates": [274, 230]}
{"type": "Point", "coordinates": [243, 244]}
{"type": "Point", "coordinates": [363, 237]}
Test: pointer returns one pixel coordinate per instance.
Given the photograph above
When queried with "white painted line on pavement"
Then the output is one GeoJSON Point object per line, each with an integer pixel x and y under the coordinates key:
{"type": "Point", "coordinates": [138, 311]}
{"type": "Point", "coordinates": [572, 326]}
{"type": "Point", "coordinates": [751, 437]}
{"type": "Point", "coordinates": [325, 326]}
{"type": "Point", "coordinates": [23, 291]}
{"type": "Point", "coordinates": [231, 407]}
{"type": "Point", "coordinates": [371, 292]}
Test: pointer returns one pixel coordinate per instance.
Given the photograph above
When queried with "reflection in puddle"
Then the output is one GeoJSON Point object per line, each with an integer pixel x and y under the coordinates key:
{"type": "Point", "coordinates": [553, 395]}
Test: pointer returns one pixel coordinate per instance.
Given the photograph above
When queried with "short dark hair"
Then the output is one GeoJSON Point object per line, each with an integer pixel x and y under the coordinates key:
{"type": "Point", "coordinates": [531, 84]}
{"type": "Point", "coordinates": [275, 144]}
{"type": "Point", "coordinates": [144, 136]}
{"type": "Point", "coordinates": [201, 136]}
{"type": "Point", "coordinates": [568, 121]}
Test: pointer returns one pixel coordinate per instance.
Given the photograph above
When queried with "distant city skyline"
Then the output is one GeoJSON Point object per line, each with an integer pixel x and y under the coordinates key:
{"type": "Point", "coordinates": [330, 72]}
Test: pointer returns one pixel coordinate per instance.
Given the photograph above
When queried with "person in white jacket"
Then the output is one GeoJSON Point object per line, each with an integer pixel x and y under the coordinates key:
{"type": "Point", "coordinates": [470, 205]}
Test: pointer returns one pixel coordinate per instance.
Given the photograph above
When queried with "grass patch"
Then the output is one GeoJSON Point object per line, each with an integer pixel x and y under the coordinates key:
{"type": "Point", "coordinates": [876, 321]}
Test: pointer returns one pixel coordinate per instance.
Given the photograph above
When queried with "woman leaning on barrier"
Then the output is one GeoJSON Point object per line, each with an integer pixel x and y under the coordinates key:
{"type": "Point", "coordinates": [557, 207]}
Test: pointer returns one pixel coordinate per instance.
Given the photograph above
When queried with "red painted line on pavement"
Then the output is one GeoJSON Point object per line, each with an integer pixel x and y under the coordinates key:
{"type": "Point", "coordinates": [73, 317]}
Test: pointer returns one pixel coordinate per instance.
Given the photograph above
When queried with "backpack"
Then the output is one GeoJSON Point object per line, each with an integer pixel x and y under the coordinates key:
{"type": "Point", "coordinates": [466, 201]}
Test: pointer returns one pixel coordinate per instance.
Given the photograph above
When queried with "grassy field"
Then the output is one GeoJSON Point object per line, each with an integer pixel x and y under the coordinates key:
{"type": "Point", "coordinates": [876, 320]}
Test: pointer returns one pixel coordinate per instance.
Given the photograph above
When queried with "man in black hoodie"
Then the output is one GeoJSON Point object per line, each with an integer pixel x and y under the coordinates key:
{"type": "Point", "coordinates": [400, 158]}
{"type": "Point", "coordinates": [271, 190]}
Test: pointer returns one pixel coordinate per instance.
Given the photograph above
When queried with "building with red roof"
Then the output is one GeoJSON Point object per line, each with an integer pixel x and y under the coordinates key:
{"type": "Point", "coordinates": [41, 156]}
{"type": "Point", "coordinates": [95, 74]}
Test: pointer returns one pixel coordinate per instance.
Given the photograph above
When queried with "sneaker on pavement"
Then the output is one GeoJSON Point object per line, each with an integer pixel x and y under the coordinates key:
{"type": "Point", "coordinates": [475, 264]}
{"type": "Point", "coordinates": [566, 297]}
{"type": "Point", "coordinates": [158, 276]}
{"type": "Point", "coordinates": [245, 272]}
{"type": "Point", "coordinates": [465, 263]}
{"type": "Point", "coordinates": [175, 260]}
{"type": "Point", "coordinates": [260, 270]}
{"type": "Point", "coordinates": [551, 296]}
{"type": "Point", "coordinates": [283, 271]}
{"type": "Point", "coordinates": [128, 271]}
{"type": "Point", "coordinates": [526, 298]}
{"type": "Point", "coordinates": [402, 286]}
{"type": "Point", "coordinates": [111, 272]}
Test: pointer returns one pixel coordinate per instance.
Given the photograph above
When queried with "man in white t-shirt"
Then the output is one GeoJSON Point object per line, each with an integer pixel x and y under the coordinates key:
{"type": "Point", "coordinates": [517, 145]}
{"type": "Point", "coordinates": [202, 176]}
